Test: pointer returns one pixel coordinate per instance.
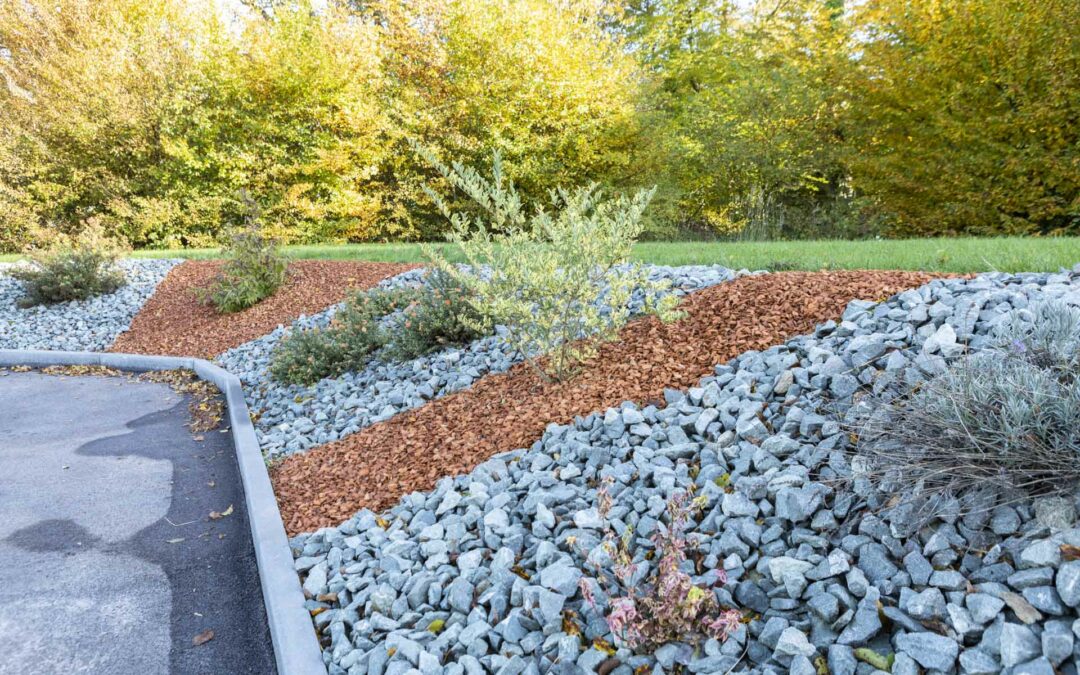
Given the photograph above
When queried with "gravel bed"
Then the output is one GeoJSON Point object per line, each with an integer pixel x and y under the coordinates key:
{"type": "Point", "coordinates": [79, 325]}
{"type": "Point", "coordinates": [293, 418]}
{"type": "Point", "coordinates": [482, 574]}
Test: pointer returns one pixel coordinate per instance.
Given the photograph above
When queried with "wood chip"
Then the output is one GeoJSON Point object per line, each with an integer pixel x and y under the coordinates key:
{"type": "Point", "coordinates": [174, 323]}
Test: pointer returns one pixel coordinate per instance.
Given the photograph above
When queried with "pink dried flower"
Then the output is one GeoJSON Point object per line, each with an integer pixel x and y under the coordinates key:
{"type": "Point", "coordinates": [669, 607]}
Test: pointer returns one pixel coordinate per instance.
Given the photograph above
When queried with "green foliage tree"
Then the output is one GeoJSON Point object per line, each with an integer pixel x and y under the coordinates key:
{"type": "Point", "coordinates": [965, 117]}
{"type": "Point", "coordinates": [541, 82]}
{"type": "Point", "coordinates": [781, 118]}
{"type": "Point", "coordinates": [744, 118]}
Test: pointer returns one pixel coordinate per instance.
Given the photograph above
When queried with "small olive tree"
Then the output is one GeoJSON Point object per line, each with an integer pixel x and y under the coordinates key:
{"type": "Point", "coordinates": [559, 278]}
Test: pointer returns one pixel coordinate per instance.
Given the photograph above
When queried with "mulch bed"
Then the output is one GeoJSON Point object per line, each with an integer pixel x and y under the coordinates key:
{"type": "Point", "coordinates": [453, 434]}
{"type": "Point", "coordinates": [174, 322]}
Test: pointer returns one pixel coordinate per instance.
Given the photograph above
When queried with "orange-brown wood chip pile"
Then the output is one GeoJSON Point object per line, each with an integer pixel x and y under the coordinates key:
{"type": "Point", "coordinates": [451, 435]}
{"type": "Point", "coordinates": [174, 322]}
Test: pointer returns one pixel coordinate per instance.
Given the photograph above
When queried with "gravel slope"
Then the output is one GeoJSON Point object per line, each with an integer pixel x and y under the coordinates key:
{"type": "Point", "coordinates": [483, 573]}
{"type": "Point", "coordinates": [82, 325]}
{"type": "Point", "coordinates": [451, 435]}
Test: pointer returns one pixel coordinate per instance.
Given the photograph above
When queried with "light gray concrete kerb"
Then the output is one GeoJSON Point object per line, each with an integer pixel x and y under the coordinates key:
{"type": "Point", "coordinates": [296, 646]}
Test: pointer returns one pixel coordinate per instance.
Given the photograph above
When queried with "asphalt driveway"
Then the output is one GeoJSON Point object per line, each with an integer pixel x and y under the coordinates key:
{"type": "Point", "coordinates": [110, 560]}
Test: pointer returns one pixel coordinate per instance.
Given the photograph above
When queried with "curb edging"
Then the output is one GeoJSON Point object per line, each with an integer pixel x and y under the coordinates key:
{"type": "Point", "coordinates": [296, 646]}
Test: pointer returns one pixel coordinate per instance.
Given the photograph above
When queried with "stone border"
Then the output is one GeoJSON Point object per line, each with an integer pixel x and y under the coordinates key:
{"type": "Point", "coordinates": [296, 646]}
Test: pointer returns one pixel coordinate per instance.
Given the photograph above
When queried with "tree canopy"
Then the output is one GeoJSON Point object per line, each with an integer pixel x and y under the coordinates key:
{"type": "Point", "coordinates": [780, 118]}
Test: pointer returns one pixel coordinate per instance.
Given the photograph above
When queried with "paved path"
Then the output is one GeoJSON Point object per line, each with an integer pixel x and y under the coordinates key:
{"type": "Point", "coordinates": [109, 562]}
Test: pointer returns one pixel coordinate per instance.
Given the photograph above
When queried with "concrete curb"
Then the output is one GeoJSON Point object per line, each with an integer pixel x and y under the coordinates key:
{"type": "Point", "coordinates": [296, 647]}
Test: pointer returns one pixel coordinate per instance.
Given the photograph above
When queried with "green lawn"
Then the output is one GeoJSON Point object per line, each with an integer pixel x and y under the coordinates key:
{"type": "Point", "coordinates": [1007, 254]}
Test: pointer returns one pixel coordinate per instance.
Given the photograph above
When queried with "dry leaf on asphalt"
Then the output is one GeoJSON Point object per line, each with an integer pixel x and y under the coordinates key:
{"type": "Point", "coordinates": [202, 638]}
{"type": "Point", "coordinates": [215, 515]}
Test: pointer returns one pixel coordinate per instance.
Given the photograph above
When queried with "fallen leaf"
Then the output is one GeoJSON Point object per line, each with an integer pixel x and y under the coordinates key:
{"type": "Point", "coordinates": [602, 645]}
{"type": "Point", "coordinates": [569, 624]}
{"type": "Point", "coordinates": [214, 515]}
{"type": "Point", "coordinates": [1024, 610]}
{"type": "Point", "coordinates": [1068, 551]}
{"type": "Point", "coordinates": [607, 666]}
{"type": "Point", "coordinates": [520, 571]}
{"type": "Point", "coordinates": [880, 661]}
{"type": "Point", "coordinates": [202, 638]}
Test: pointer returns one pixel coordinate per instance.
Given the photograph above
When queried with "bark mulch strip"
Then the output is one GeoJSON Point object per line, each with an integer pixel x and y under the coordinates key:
{"type": "Point", "coordinates": [173, 322]}
{"type": "Point", "coordinates": [453, 434]}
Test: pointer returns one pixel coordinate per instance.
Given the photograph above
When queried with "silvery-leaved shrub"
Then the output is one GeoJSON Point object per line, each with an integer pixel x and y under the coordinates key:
{"type": "Point", "coordinates": [1006, 417]}
{"type": "Point", "coordinates": [72, 268]}
{"type": "Point", "coordinates": [557, 277]}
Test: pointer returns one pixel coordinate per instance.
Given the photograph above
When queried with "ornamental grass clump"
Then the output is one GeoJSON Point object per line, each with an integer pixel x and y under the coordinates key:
{"type": "Point", "coordinates": [668, 606]}
{"type": "Point", "coordinates": [254, 268]}
{"type": "Point", "coordinates": [558, 279]}
{"type": "Point", "coordinates": [72, 268]}
{"type": "Point", "coordinates": [1006, 417]}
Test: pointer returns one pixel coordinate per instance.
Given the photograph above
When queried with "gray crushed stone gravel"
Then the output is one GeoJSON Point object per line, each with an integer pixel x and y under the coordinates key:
{"type": "Point", "coordinates": [293, 418]}
{"type": "Point", "coordinates": [80, 325]}
{"type": "Point", "coordinates": [494, 558]}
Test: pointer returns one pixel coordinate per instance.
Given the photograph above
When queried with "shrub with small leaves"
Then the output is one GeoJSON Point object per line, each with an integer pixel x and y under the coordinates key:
{"type": "Point", "coordinates": [254, 268]}
{"type": "Point", "coordinates": [1006, 417]}
{"type": "Point", "coordinates": [399, 323]}
{"type": "Point", "coordinates": [72, 268]}
{"type": "Point", "coordinates": [667, 607]}
{"type": "Point", "coordinates": [560, 280]}
{"type": "Point", "coordinates": [441, 315]}
{"type": "Point", "coordinates": [357, 330]}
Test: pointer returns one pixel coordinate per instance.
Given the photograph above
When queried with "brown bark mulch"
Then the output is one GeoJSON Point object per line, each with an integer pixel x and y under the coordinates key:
{"type": "Point", "coordinates": [453, 434]}
{"type": "Point", "coordinates": [174, 322]}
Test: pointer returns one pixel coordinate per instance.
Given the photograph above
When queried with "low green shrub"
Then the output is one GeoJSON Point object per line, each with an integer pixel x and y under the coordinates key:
{"type": "Point", "coordinates": [355, 333]}
{"type": "Point", "coordinates": [559, 280]}
{"type": "Point", "coordinates": [253, 271]}
{"type": "Point", "coordinates": [440, 315]}
{"type": "Point", "coordinates": [1007, 416]}
{"type": "Point", "coordinates": [72, 268]}
{"type": "Point", "coordinates": [403, 323]}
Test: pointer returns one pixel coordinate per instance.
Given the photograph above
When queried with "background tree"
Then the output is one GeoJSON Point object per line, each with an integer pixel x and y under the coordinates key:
{"type": "Point", "coordinates": [540, 82]}
{"type": "Point", "coordinates": [746, 111]}
{"type": "Point", "coordinates": [966, 115]}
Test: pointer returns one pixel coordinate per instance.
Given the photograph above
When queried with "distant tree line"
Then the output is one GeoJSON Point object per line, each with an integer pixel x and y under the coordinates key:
{"type": "Point", "coordinates": [770, 118]}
